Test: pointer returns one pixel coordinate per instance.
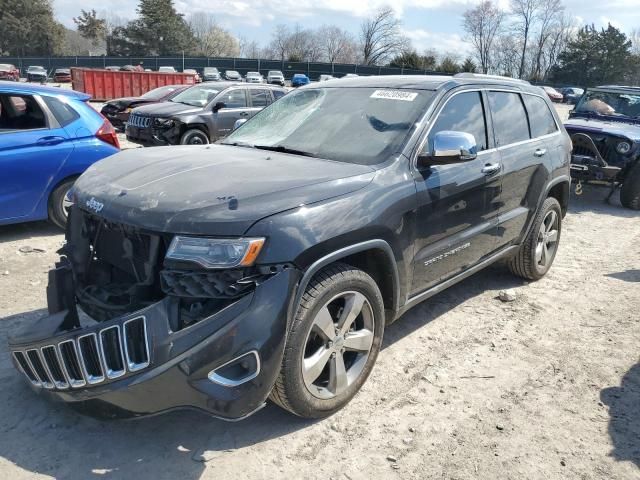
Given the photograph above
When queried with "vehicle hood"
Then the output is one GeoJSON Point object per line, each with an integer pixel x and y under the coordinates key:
{"type": "Point", "coordinates": [609, 127]}
{"type": "Point", "coordinates": [126, 101]}
{"type": "Point", "coordinates": [166, 109]}
{"type": "Point", "coordinates": [209, 190]}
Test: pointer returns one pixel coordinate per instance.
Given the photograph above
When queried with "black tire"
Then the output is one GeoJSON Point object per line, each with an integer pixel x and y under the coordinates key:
{"type": "Point", "coordinates": [290, 391]}
{"type": "Point", "coordinates": [525, 263]}
{"type": "Point", "coordinates": [194, 136]}
{"type": "Point", "coordinates": [630, 191]}
{"type": "Point", "coordinates": [57, 211]}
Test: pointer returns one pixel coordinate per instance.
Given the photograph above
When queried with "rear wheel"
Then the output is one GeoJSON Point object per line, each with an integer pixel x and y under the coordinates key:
{"type": "Point", "coordinates": [194, 137]}
{"type": "Point", "coordinates": [630, 191]}
{"type": "Point", "coordinates": [60, 203]}
{"type": "Point", "coordinates": [537, 252]}
{"type": "Point", "coordinates": [333, 343]}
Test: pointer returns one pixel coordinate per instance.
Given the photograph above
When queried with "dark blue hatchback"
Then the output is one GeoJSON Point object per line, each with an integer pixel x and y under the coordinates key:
{"type": "Point", "coordinates": [48, 137]}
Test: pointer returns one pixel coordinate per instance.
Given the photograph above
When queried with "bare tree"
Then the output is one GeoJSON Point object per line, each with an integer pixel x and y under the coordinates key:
{"type": "Point", "coordinates": [211, 39]}
{"type": "Point", "coordinates": [506, 55]}
{"type": "Point", "coordinates": [250, 49]}
{"type": "Point", "coordinates": [279, 46]}
{"type": "Point", "coordinates": [561, 33]}
{"type": "Point", "coordinates": [381, 37]}
{"type": "Point", "coordinates": [550, 13]}
{"type": "Point", "coordinates": [526, 13]}
{"type": "Point", "coordinates": [335, 43]}
{"type": "Point", "coordinates": [635, 41]}
{"type": "Point", "coordinates": [483, 24]}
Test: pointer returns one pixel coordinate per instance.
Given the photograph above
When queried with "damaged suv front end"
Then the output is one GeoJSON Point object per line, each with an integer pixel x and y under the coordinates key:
{"type": "Point", "coordinates": [160, 299]}
{"type": "Point", "coordinates": [136, 330]}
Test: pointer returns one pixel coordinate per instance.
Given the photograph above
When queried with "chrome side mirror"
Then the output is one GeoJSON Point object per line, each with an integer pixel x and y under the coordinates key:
{"type": "Point", "coordinates": [449, 147]}
{"type": "Point", "coordinates": [239, 123]}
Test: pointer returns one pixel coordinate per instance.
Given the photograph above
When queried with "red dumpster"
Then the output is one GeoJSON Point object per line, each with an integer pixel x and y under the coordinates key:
{"type": "Point", "coordinates": [106, 84]}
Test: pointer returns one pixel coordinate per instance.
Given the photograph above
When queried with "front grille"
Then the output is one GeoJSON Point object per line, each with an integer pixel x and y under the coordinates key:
{"type": "Point", "coordinates": [213, 284]}
{"type": "Point", "coordinates": [88, 359]}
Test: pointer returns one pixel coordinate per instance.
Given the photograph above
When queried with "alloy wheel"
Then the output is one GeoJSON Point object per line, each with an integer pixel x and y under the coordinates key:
{"type": "Point", "coordinates": [67, 203]}
{"type": "Point", "coordinates": [547, 239]}
{"type": "Point", "coordinates": [338, 345]}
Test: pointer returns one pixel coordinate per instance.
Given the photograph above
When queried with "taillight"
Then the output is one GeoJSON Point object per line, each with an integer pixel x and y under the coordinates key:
{"type": "Point", "coordinates": [107, 134]}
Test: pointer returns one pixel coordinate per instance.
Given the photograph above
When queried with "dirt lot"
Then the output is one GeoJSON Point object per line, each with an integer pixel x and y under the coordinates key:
{"type": "Point", "coordinates": [545, 387]}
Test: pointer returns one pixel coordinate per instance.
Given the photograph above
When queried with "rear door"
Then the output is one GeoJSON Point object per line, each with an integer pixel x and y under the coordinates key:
{"type": "Point", "coordinates": [457, 203]}
{"type": "Point", "coordinates": [525, 142]}
{"type": "Point", "coordinates": [236, 107]}
{"type": "Point", "coordinates": [33, 148]}
{"type": "Point", "coordinates": [260, 98]}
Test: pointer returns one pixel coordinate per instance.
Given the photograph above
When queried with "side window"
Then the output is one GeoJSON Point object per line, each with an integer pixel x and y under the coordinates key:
{"type": "Point", "coordinates": [21, 112]}
{"type": "Point", "coordinates": [540, 117]}
{"type": "Point", "coordinates": [463, 113]}
{"type": "Point", "coordinates": [260, 97]}
{"type": "Point", "coordinates": [63, 112]}
{"type": "Point", "coordinates": [509, 118]}
{"type": "Point", "coordinates": [235, 99]}
{"type": "Point", "coordinates": [277, 94]}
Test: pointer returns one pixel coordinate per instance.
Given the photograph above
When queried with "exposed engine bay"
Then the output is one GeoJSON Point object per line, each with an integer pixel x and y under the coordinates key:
{"type": "Point", "coordinates": [118, 269]}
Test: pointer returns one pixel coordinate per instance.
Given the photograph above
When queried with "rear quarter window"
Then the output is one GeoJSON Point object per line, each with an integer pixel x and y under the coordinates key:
{"type": "Point", "coordinates": [540, 117]}
{"type": "Point", "coordinates": [510, 123]}
{"type": "Point", "coordinates": [63, 112]}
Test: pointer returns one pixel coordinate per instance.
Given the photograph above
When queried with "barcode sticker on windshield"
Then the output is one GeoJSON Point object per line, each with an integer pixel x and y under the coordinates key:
{"type": "Point", "coordinates": [395, 95]}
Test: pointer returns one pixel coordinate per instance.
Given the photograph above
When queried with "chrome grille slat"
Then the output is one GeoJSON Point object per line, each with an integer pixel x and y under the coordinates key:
{"type": "Point", "coordinates": [37, 365]}
{"type": "Point", "coordinates": [114, 365]}
{"type": "Point", "coordinates": [90, 341]}
{"type": "Point", "coordinates": [23, 365]}
{"type": "Point", "coordinates": [70, 362]}
{"type": "Point", "coordinates": [135, 364]}
{"type": "Point", "coordinates": [53, 364]}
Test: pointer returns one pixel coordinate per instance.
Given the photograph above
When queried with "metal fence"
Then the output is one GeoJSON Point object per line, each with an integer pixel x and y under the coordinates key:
{"type": "Point", "coordinates": [243, 65]}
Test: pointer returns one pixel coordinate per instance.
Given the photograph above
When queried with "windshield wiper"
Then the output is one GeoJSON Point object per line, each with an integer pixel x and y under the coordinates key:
{"type": "Point", "coordinates": [237, 144]}
{"type": "Point", "coordinates": [283, 149]}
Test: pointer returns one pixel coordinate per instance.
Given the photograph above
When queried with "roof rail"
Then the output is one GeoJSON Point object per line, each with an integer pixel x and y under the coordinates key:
{"type": "Point", "coordinates": [489, 77]}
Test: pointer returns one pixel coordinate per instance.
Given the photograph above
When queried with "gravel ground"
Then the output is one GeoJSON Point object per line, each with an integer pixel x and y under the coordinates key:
{"type": "Point", "coordinates": [466, 386]}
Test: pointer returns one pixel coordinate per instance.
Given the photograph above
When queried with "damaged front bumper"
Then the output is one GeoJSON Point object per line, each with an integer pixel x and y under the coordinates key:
{"type": "Point", "coordinates": [159, 370]}
{"type": "Point", "coordinates": [197, 339]}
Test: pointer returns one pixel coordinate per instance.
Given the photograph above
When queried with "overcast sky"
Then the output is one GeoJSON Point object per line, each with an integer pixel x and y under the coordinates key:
{"type": "Point", "coordinates": [429, 23]}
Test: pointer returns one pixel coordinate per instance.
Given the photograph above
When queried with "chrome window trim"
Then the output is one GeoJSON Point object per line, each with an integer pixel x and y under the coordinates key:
{"type": "Point", "coordinates": [435, 113]}
{"type": "Point", "coordinates": [112, 373]}
{"type": "Point", "coordinates": [91, 379]}
{"type": "Point", "coordinates": [225, 382]}
{"type": "Point", "coordinates": [58, 385]}
{"type": "Point", "coordinates": [134, 367]}
{"type": "Point", "coordinates": [74, 383]}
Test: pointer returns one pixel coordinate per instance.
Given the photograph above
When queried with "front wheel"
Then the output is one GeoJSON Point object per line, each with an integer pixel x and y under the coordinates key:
{"type": "Point", "coordinates": [333, 343]}
{"type": "Point", "coordinates": [194, 137]}
{"type": "Point", "coordinates": [539, 248]}
{"type": "Point", "coordinates": [60, 203]}
{"type": "Point", "coordinates": [630, 191]}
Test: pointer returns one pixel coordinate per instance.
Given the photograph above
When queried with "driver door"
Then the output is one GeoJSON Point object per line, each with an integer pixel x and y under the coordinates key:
{"type": "Point", "coordinates": [236, 107]}
{"type": "Point", "coordinates": [457, 203]}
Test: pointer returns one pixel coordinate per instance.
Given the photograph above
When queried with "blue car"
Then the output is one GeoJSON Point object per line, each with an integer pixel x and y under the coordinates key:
{"type": "Point", "coordinates": [299, 79]}
{"type": "Point", "coordinates": [48, 137]}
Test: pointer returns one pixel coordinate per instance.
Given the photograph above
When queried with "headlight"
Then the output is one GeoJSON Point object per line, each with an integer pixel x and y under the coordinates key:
{"type": "Point", "coordinates": [216, 252]}
{"type": "Point", "coordinates": [163, 122]}
{"type": "Point", "coordinates": [623, 148]}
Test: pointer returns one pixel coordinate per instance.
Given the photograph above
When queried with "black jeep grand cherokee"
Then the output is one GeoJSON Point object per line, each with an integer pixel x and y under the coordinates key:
{"type": "Point", "coordinates": [216, 277]}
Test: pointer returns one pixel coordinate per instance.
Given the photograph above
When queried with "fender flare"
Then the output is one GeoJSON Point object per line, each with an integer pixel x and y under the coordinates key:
{"type": "Point", "coordinates": [556, 181]}
{"type": "Point", "coordinates": [332, 257]}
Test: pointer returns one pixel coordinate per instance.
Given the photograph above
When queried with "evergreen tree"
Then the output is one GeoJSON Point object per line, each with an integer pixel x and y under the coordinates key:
{"type": "Point", "coordinates": [595, 57]}
{"type": "Point", "coordinates": [91, 27]}
{"type": "Point", "coordinates": [159, 30]}
{"type": "Point", "coordinates": [28, 28]}
{"type": "Point", "coordinates": [469, 66]}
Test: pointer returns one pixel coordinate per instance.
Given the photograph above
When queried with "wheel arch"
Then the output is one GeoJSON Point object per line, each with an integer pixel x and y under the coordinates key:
{"type": "Point", "coordinates": [375, 257]}
{"type": "Point", "coordinates": [560, 190]}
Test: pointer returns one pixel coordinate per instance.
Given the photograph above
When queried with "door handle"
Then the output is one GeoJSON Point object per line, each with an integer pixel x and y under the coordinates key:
{"type": "Point", "coordinates": [540, 152]}
{"type": "Point", "coordinates": [491, 168]}
{"type": "Point", "coordinates": [52, 140]}
{"type": "Point", "coordinates": [244, 114]}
